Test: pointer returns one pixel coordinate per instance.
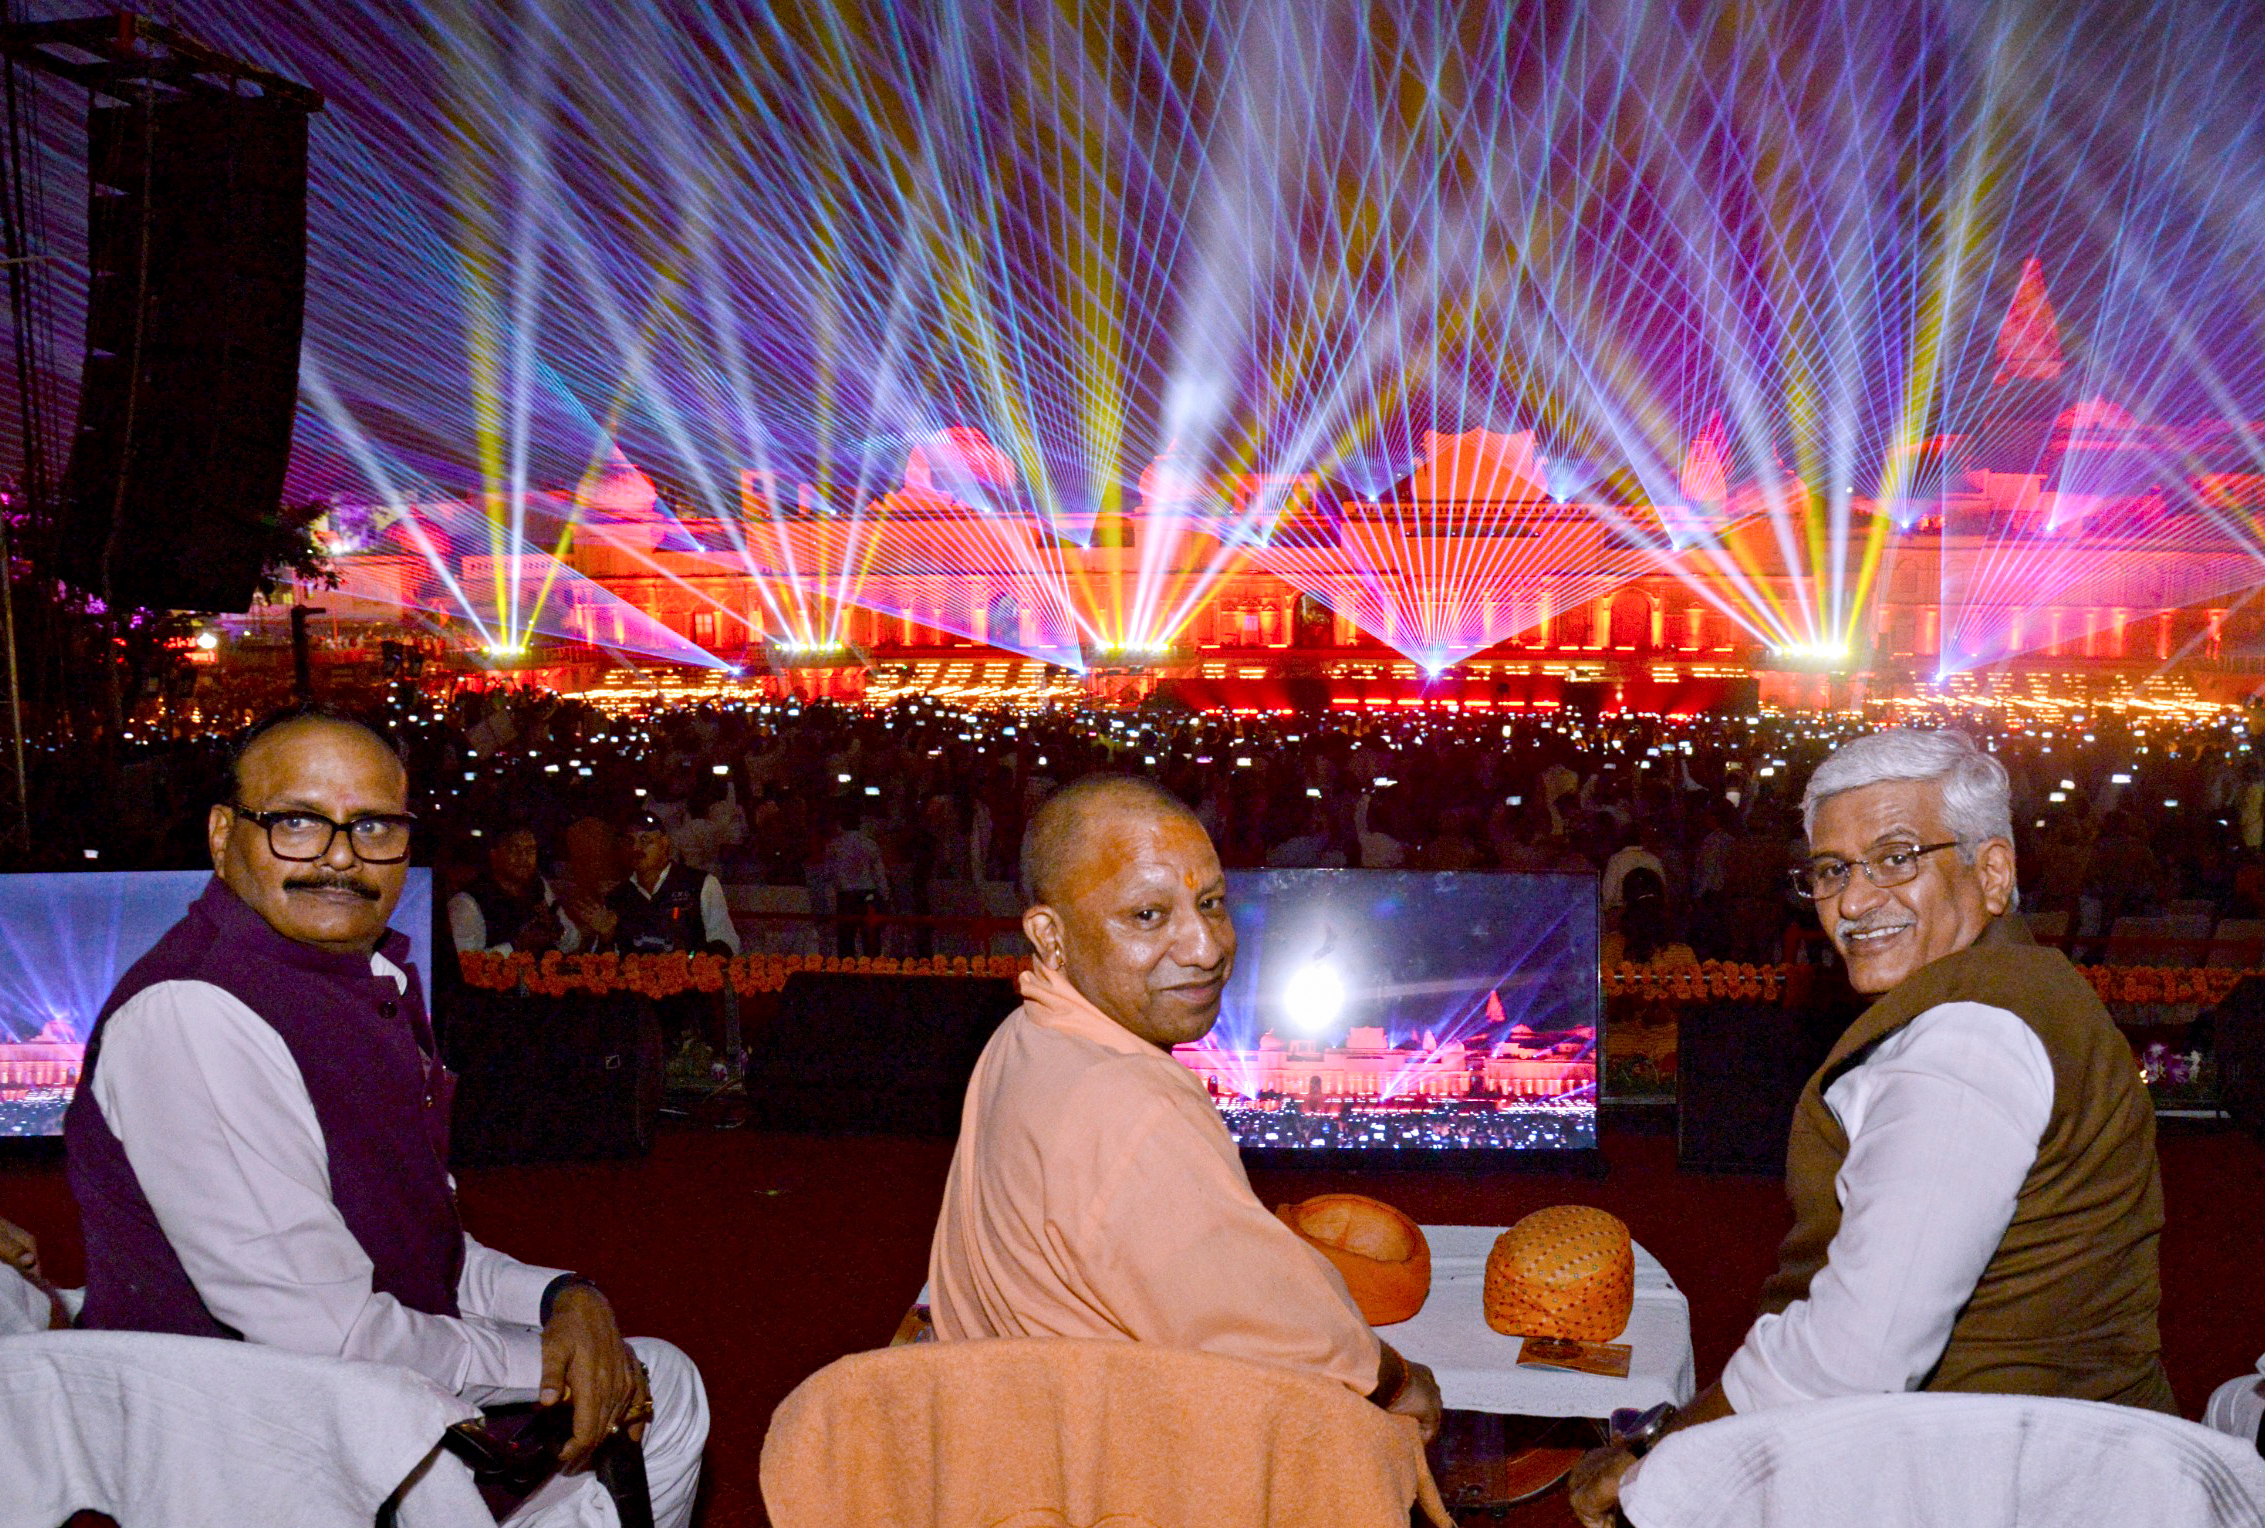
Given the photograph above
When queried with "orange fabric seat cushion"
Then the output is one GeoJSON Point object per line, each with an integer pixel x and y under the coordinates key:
{"type": "Point", "coordinates": [1382, 1254]}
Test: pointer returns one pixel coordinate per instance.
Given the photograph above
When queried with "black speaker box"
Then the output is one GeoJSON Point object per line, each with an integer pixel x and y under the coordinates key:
{"type": "Point", "coordinates": [2239, 1047]}
{"type": "Point", "coordinates": [552, 1079]}
{"type": "Point", "coordinates": [198, 207]}
{"type": "Point", "coordinates": [850, 1054]}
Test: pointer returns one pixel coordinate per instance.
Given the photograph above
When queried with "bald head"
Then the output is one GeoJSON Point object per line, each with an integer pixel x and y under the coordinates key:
{"type": "Point", "coordinates": [272, 732]}
{"type": "Point", "coordinates": [1063, 829]}
{"type": "Point", "coordinates": [1127, 901]}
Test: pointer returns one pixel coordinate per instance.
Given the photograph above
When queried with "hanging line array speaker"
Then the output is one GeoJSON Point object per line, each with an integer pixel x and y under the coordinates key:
{"type": "Point", "coordinates": [197, 260]}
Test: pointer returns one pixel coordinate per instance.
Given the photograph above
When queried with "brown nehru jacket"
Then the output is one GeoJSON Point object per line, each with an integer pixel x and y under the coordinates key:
{"type": "Point", "coordinates": [2067, 1304]}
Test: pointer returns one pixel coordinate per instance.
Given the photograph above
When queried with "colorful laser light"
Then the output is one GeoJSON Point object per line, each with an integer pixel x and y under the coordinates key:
{"type": "Point", "coordinates": [1455, 318]}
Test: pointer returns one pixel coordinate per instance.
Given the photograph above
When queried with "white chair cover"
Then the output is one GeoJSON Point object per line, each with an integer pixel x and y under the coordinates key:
{"type": "Point", "coordinates": [194, 1432]}
{"type": "Point", "coordinates": [24, 1306]}
{"type": "Point", "coordinates": [1949, 1461]}
{"type": "Point", "coordinates": [2237, 1406]}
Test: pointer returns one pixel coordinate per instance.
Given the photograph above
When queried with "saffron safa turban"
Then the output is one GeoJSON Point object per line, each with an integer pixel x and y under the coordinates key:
{"type": "Point", "coordinates": [1567, 1271]}
{"type": "Point", "coordinates": [1382, 1254]}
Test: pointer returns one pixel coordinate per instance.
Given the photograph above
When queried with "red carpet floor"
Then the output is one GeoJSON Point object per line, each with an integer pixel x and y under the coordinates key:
{"type": "Point", "coordinates": [765, 1257]}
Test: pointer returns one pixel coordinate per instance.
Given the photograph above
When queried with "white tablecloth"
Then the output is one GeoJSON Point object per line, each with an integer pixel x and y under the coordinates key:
{"type": "Point", "coordinates": [1478, 1366]}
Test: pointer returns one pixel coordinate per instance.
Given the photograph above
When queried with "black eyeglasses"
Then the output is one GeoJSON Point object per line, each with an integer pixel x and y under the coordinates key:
{"type": "Point", "coordinates": [1896, 865]}
{"type": "Point", "coordinates": [380, 838]}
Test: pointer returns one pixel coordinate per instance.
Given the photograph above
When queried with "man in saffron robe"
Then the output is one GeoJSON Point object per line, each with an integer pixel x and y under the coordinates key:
{"type": "Point", "coordinates": [1095, 1191]}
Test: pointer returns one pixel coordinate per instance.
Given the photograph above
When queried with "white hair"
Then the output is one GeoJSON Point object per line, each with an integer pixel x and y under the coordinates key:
{"type": "Point", "coordinates": [1977, 798]}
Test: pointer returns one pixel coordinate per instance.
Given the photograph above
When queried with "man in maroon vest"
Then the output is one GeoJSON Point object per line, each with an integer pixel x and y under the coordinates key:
{"type": "Point", "coordinates": [259, 1142]}
{"type": "Point", "coordinates": [1975, 1196]}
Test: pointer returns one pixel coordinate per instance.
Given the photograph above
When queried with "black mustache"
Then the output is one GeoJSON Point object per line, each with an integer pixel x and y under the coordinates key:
{"type": "Point", "coordinates": [362, 889]}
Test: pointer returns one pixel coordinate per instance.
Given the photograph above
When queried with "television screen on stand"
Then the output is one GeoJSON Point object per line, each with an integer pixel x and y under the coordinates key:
{"type": "Point", "coordinates": [1405, 1014]}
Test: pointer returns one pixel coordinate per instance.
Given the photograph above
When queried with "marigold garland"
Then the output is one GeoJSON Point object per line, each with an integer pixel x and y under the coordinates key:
{"type": "Point", "coordinates": [2203, 985]}
{"type": "Point", "coordinates": [658, 976]}
{"type": "Point", "coordinates": [1708, 981]}
{"type": "Point", "coordinates": [1714, 981]}
{"type": "Point", "coordinates": [554, 975]}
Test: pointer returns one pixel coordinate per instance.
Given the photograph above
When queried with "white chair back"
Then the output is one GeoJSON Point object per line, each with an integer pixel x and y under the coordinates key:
{"type": "Point", "coordinates": [197, 1432]}
{"type": "Point", "coordinates": [24, 1306]}
{"type": "Point", "coordinates": [1949, 1461]}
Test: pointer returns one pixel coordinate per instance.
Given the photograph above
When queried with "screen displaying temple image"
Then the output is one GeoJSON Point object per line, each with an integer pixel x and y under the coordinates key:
{"type": "Point", "coordinates": [64, 942]}
{"type": "Point", "coordinates": [1381, 1010]}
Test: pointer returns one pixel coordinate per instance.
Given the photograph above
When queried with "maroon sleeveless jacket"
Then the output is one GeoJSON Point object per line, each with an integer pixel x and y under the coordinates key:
{"type": "Point", "coordinates": [365, 1053]}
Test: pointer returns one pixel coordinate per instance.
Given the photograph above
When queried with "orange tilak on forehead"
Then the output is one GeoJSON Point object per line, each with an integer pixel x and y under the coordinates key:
{"type": "Point", "coordinates": [1118, 844]}
{"type": "Point", "coordinates": [1094, 869]}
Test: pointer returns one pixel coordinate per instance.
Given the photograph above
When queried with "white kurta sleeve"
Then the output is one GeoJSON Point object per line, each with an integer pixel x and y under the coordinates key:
{"type": "Point", "coordinates": [467, 925]}
{"type": "Point", "coordinates": [1944, 1122]}
{"type": "Point", "coordinates": [216, 1123]}
{"type": "Point", "coordinates": [501, 1287]}
{"type": "Point", "coordinates": [569, 932]}
{"type": "Point", "coordinates": [715, 915]}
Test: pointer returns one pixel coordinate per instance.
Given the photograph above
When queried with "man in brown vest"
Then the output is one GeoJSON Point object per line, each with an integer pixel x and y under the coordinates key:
{"type": "Point", "coordinates": [1972, 1170]}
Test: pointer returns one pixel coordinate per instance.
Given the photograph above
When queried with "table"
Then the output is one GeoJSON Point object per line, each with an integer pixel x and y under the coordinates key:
{"type": "Point", "coordinates": [1477, 1367]}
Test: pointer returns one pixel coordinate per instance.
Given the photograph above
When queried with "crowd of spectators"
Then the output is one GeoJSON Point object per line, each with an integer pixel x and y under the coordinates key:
{"type": "Point", "coordinates": [1689, 822]}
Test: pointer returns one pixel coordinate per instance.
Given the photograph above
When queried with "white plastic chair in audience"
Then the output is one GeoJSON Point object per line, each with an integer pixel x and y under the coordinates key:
{"type": "Point", "coordinates": [1949, 1461]}
{"type": "Point", "coordinates": [772, 936]}
{"type": "Point", "coordinates": [2238, 943]}
{"type": "Point", "coordinates": [2136, 941]}
{"type": "Point", "coordinates": [1003, 899]}
{"type": "Point", "coordinates": [957, 899]}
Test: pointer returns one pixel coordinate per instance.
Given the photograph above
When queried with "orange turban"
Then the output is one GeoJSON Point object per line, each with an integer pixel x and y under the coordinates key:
{"type": "Point", "coordinates": [1567, 1271]}
{"type": "Point", "coordinates": [1382, 1253]}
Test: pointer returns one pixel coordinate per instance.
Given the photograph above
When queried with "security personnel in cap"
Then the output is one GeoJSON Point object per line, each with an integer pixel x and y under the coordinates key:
{"type": "Point", "coordinates": [664, 906]}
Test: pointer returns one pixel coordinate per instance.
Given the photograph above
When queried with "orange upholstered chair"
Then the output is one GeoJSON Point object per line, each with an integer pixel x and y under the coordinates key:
{"type": "Point", "coordinates": [1044, 1430]}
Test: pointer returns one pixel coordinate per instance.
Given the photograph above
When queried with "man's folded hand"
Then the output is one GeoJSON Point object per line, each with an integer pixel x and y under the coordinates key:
{"type": "Point", "coordinates": [1419, 1398]}
{"type": "Point", "coordinates": [586, 1363]}
{"type": "Point", "coordinates": [18, 1250]}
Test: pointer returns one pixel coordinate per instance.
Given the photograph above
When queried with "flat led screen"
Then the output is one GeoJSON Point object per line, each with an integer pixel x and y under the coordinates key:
{"type": "Point", "coordinates": [1403, 1011]}
{"type": "Point", "coordinates": [64, 942]}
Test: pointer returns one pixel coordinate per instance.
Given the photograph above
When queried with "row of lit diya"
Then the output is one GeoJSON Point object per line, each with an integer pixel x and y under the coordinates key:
{"type": "Point", "coordinates": [1568, 1271]}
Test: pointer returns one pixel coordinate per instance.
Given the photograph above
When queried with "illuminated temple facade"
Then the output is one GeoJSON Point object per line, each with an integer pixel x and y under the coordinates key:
{"type": "Point", "coordinates": [1523, 1066]}
{"type": "Point", "coordinates": [38, 1064]}
{"type": "Point", "coordinates": [2064, 537]}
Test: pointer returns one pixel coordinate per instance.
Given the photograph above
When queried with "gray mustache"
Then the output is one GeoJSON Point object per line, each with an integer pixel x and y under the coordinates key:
{"type": "Point", "coordinates": [1846, 927]}
{"type": "Point", "coordinates": [362, 889]}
